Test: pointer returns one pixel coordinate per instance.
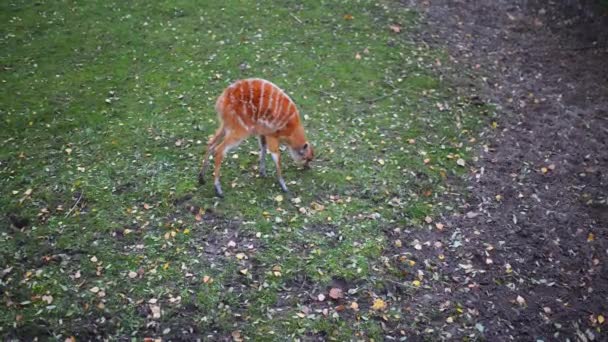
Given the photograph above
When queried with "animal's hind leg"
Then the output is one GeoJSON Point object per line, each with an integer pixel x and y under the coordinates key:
{"type": "Point", "coordinates": [213, 142]}
{"type": "Point", "coordinates": [262, 140]}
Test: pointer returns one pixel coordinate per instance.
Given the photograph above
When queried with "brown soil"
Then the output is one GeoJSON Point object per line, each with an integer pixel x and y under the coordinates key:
{"type": "Point", "coordinates": [544, 67]}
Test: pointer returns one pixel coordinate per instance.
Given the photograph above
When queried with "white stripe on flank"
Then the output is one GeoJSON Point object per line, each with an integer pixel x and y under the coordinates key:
{"type": "Point", "coordinates": [251, 97]}
{"type": "Point", "coordinates": [261, 103]}
{"type": "Point", "coordinates": [276, 100]}
{"type": "Point", "coordinates": [270, 98]}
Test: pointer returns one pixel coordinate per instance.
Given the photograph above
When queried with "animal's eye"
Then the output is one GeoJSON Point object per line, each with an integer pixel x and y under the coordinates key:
{"type": "Point", "coordinates": [305, 146]}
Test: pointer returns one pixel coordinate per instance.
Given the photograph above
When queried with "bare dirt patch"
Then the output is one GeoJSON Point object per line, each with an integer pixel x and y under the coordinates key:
{"type": "Point", "coordinates": [526, 256]}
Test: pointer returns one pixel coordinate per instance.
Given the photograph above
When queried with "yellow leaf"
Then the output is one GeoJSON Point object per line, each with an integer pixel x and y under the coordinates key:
{"type": "Point", "coordinates": [241, 256]}
{"type": "Point", "coordinates": [165, 266]}
{"type": "Point", "coordinates": [186, 231]}
{"type": "Point", "coordinates": [416, 283]}
{"type": "Point", "coordinates": [379, 305]}
{"type": "Point", "coordinates": [348, 17]}
{"type": "Point", "coordinates": [354, 306]}
{"type": "Point", "coordinates": [590, 237]}
{"type": "Point", "coordinates": [600, 319]}
{"type": "Point", "coordinates": [279, 198]}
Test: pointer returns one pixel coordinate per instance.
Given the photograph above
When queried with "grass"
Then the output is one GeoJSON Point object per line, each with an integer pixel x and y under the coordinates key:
{"type": "Point", "coordinates": [105, 111]}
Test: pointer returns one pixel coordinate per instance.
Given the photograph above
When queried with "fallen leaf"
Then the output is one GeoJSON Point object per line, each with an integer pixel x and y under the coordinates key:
{"type": "Point", "coordinates": [357, 56]}
{"type": "Point", "coordinates": [600, 319]}
{"type": "Point", "coordinates": [348, 17]}
{"type": "Point", "coordinates": [521, 300]}
{"type": "Point", "coordinates": [590, 237]}
{"type": "Point", "coordinates": [379, 305]}
{"type": "Point", "coordinates": [439, 226]}
{"type": "Point", "coordinates": [94, 289]}
{"type": "Point", "coordinates": [47, 298]}
{"type": "Point", "coordinates": [460, 162]}
{"type": "Point", "coordinates": [354, 306]}
{"type": "Point", "coordinates": [279, 198]}
{"type": "Point", "coordinates": [428, 219]}
{"type": "Point", "coordinates": [416, 283]}
{"type": "Point", "coordinates": [398, 243]}
{"type": "Point", "coordinates": [132, 274]}
{"type": "Point", "coordinates": [155, 311]}
{"type": "Point", "coordinates": [207, 279]}
{"type": "Point", "coordinates": [395, 28]}
{"type": "Point", "coordinates": [241, 256]}
{"type": "Point", "coordinates": [93, 259]}
{"type": "Point", "coordinates": [321, 297]}
{"type": "Point", "coordinates": [336, 293]}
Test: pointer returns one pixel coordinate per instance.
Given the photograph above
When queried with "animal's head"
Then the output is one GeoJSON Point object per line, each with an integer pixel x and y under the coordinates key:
{"type": "Point", "coordinates": [302, 154]}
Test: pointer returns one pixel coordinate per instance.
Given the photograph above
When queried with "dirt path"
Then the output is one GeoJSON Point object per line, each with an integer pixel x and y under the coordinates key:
{"type": "Point", "coordinates": [528, 252]}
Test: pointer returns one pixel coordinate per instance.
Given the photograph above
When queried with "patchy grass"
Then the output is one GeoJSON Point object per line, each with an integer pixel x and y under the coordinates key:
{"type": "Point", "coordinates": [106, 108]}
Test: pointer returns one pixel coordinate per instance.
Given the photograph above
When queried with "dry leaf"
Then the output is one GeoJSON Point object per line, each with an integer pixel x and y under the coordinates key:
{"type": "Point", "coordinates": [321, 297]}
{"type": "Point", "coordinates": [354, 306]}
{"type": "Point", "coordinates": [348, 17]}
{"type": "Point", "coordinates": [521, 300]}
{"type": "Point", "coordinates": [336, 293]}
{"type": "Point", "coordinates": [460, 162]}
{"type": "Point", "coordinates": [357, 56]}
{"type": "Point", "coordinates": [207, 279]}
{"type": "Point", "coordinates": [132, 274]}
{"type": "Point", "coordinates": [155, 311]}
{"type": "Point", "coordinates": [379, 305]}
{"type": "Point", "coordinates": [395, 28]}
{"type": "Point", "coordinates": [47, 298]}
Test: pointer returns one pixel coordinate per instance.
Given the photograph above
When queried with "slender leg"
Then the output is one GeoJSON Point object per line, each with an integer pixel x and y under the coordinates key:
{"type": "Point", "coordinates": [273, 146]}
{"type": "Point", "coordinates": [220, 152]}
{"type": "Point", "coordinates": [213, 142]}
{"type": "Point", "coordinates": [262, 156]}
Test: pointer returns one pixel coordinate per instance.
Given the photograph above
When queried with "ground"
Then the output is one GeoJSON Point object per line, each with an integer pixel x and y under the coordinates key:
{"type": "Point", "coordinates": [458, 192]}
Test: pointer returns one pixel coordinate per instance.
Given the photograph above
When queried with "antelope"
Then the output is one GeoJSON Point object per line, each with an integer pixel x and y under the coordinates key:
{"type": "Point", "coordinates": [256, 107]}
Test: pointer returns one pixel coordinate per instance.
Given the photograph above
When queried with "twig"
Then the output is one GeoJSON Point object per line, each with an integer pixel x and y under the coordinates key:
{"type": "Point", "coordinates": [75, 204]}
{"type": "Point", "coordinates": [296, 18]}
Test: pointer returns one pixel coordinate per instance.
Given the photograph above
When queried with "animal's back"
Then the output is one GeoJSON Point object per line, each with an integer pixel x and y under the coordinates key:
{"type": "Point", "coordinates": [257, 105]}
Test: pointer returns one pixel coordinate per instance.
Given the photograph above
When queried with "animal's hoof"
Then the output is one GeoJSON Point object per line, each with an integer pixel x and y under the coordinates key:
{"type": "Point", "coordinates": [218, 191]}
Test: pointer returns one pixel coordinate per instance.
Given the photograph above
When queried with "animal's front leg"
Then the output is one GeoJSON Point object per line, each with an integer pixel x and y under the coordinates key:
{"type": "Point", "coordinates": [262, 156]}
{"type": "Point", "coordinates": [273, 146]}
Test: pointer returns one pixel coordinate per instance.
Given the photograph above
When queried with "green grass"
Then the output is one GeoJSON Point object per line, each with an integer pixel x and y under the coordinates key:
{"type": "Point", "coordinates": [105, 111]}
